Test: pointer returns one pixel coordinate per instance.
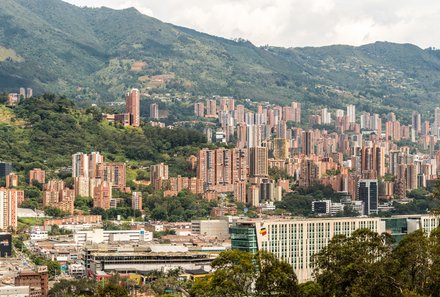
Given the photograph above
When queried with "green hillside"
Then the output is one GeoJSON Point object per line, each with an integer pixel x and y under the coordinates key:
{"type": "Point", "coordinates": [96, 54]}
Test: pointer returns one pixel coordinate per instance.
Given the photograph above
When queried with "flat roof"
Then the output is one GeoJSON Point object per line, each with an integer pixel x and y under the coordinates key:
{"type": "Point", "coordinates": [260, 220]}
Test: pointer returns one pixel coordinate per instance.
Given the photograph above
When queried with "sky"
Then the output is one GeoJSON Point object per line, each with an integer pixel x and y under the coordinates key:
{"type": "Point", "coordinates": [293, 23]}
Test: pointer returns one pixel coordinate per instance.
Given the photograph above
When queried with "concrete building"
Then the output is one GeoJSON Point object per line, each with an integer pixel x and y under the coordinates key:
{"type": "Point", "coordinates": [77, 270]}
{"type": "Point", "coordinates": [327, 207]}
{"type": "Point", "coordinates": [14, 291]}
{"type": "Point", "coordinates": [326, 117]}
{"type": "Point", "coordinates": [106, 236]}
{"type": "Point", "coordinates": [29, 93]}
{"type": "Point", "coordinates": [86, 165]}
{"type": "Point", "coordinates": [351, 113]}
{"type": "Point", "coordinates": [156, 258]}
{"type": "Point", "coordinates": [368, 193]}
{"type": "Point", "coordinates": [80, 165]}
{"type": "Point", "coordinates": [296, 241]}
{"type": "Point", "coordinates": [211, 228]}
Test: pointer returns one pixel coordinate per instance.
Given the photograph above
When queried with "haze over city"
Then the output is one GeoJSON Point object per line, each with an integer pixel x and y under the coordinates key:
{"type": "Point", "coordinates": [299, 22]}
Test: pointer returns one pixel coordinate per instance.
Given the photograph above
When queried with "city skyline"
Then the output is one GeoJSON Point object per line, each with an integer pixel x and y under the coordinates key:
{"type": "Point", "coordinates": [143, 158]}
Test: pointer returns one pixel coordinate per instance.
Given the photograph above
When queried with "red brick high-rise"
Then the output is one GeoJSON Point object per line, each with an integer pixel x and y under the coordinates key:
{"type": "Point", "coordinates": [37, 174]}
{"type": "Point", "coordinates": [113, 172]}
{"type": "Point", "coordinates": [136, 200]}
{"type": "Point", "coordinates": [56, 196]}
{"type": "Point", "coordinates": [373, 162]}
{"type": "Point", "coordinates": [218, 169]}
{"type": "Point", "coordinates": [38, 281]}
{"type": "Point", "coordinates": [9, 200]}
{"type": "Point", "coordinates": [102, 195]}
{"type": "Point", "coordinates": [154, 111]}
{"type": "Point", "coordinates": [258, 162]}
{"type": "Point", "coordinates": [132, 107]}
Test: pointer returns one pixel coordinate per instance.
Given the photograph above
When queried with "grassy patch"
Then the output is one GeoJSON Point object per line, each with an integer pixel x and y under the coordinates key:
{"type": "Point", "coordinates": [31, 221]}
{"type": "Point", "coordinates": [6, 53]}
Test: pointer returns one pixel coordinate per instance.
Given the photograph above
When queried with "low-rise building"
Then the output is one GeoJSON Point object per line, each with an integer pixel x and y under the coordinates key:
{"type": "Point", "coordinates": [210, 228]}
{"type": "Point", "coordinates": [37, 281]}
{"type": "Point", "coordinates": [14, 291]}
{"type": "Point", "coordinates": [161, 258]}
{"type": "Point", "coordinates": [105, 236]}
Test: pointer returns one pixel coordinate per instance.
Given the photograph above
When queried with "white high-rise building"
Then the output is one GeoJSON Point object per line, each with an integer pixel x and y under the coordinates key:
{"type": "Point", "coordinates": [297, 240]}
{"type": "Point", "coordinates": [254, 135]}
{"type": "Point", "coordinates": [86, 165]}
{"type": "Point", "coordinates": [365, 120]}
{"type": "Point", "coordinates": [326, 117]}
{"type": "Point", "coordinates": [351, 113]}
{"type": "Point", "coordinates": [80, 165]}
{"type": "Point", "coordinates": [339, 113]}
{"type": "Point", "coordinates": [436, 125]}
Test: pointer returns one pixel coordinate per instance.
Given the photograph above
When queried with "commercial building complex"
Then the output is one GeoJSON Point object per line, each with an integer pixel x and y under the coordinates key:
{"type": "Point", "coordinates": [298, 240]}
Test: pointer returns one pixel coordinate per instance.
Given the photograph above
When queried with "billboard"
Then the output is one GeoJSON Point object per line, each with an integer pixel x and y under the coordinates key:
{"type": "Point", "coordinates": [5, 245]}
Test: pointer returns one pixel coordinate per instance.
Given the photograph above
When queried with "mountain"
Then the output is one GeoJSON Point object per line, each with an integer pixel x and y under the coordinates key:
{"type": "Point", "coordinates": [98, 53]}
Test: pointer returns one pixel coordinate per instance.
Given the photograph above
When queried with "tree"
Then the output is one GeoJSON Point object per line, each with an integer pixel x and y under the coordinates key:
{"type": "Point", "coordinates": [112, 290]}
{"type": "Point", "coordinates": [410, 263]}
{"type": "Point", "coordinates": [233, 276]}
{"type": "Point", "coordinates": [238, 273]}
{"type": "Point", "coordinates": [433, 285]}
{"type": "Point", "coordinates": [310, 289]}
{"type": "Point", "coordinates": [55, 229]}
{"type": "Point", "coordinates": [353, 266]}
{"type": "Point", "coordinates": [53, 268]}
{"type": "Point", "coordinates": [55, 212]}
{"type": "Point", "coordinates": [275, 277]}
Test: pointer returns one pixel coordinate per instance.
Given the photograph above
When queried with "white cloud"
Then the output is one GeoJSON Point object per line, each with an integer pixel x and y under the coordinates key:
{"type": "Point", "coordinates": [297, 22]}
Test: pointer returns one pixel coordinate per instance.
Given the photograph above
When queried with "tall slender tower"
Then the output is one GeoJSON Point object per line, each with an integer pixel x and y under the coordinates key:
{"type": "Point", "coordinates": [132, 107]}
{"type": "Point", "coordinates": [154, 111]}
{"type": "Point", "coordinates": [258, 166]}
{"type": "Point", "coordinates": [351, 113]}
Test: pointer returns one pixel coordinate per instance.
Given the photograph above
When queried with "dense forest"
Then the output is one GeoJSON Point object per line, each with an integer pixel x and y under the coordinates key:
{"type": "Point", "coordinates": [45, 131]}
